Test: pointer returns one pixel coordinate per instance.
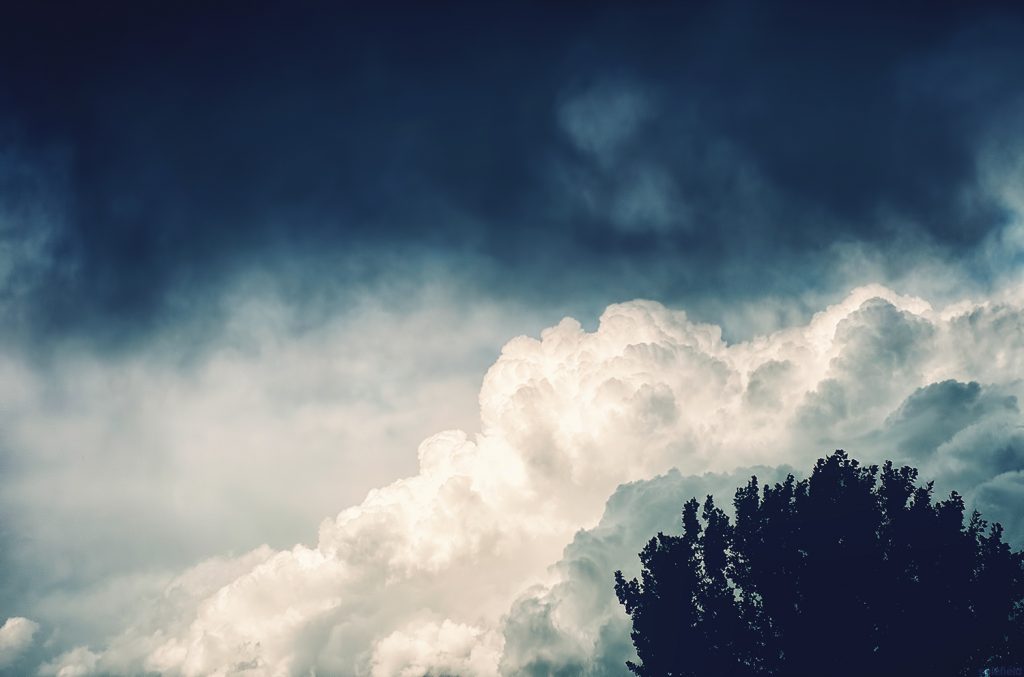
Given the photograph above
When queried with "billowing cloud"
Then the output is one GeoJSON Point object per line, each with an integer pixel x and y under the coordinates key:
{"type": "Point", "coordinates": [449, 570]}
{"type": "Point", "coordinates": [79, 662]}
{"type": "Point", "coordinates": [16, 635]}
{"type": "Point", "coordinates": [436, 649]}
{"type": "Point", "coordinates": [122, 469]}
{"type": "Point", "coordinates": [575, 626]}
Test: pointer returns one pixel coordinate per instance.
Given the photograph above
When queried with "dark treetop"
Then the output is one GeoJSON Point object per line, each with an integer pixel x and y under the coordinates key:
{"type": "Point", "coordinates": [854, 571]}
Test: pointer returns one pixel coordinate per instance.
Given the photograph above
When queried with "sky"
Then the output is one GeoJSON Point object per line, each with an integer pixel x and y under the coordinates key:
{"type": "Point", "coordinates": [370, 339]}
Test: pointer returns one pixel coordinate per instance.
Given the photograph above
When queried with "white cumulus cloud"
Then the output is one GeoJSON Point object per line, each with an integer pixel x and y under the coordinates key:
{"type": "Point", "coordinates": [16, 635]}
{"type": "Point", "coordinates": [449, 570]}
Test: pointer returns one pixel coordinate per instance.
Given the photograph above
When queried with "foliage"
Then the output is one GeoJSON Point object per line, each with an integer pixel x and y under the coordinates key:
{"type": "Point", "coordinates": [854, 571]}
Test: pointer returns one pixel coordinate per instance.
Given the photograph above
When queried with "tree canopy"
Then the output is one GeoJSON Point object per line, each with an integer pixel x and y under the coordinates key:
{"type": "Point", "coordinates": [853, 571]}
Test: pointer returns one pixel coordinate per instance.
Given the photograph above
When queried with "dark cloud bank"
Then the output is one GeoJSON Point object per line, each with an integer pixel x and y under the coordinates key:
{"type": "Point", "coordinates": [692, 152]}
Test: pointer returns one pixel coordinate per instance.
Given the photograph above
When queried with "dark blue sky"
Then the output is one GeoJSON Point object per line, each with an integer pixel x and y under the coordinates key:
{"type": "Point", "coordinates": [565, 154]}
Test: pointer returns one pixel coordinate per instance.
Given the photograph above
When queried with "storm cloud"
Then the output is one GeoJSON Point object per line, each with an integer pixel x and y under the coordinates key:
{"type": "Point", "coordinates": [706, 153]}
{"type": "Point", "coordinates": [257, 268]}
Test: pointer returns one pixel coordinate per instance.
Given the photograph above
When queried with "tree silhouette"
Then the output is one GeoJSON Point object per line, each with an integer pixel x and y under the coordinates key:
{"type": "Point", "coordinates": [854, 571]}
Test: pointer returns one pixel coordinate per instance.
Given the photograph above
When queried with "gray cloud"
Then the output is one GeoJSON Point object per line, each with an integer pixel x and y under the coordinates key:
{"type": "Point", "coordinates": [603, 119]}
{"type": "Point", "coordinates": [718, 157]}
{"type": "Point", "coordinates": [576, 626]}
{"type": "Point", "coordinates": [16, 636]}
{"type": "Point", "coordinates": [934, 414]}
